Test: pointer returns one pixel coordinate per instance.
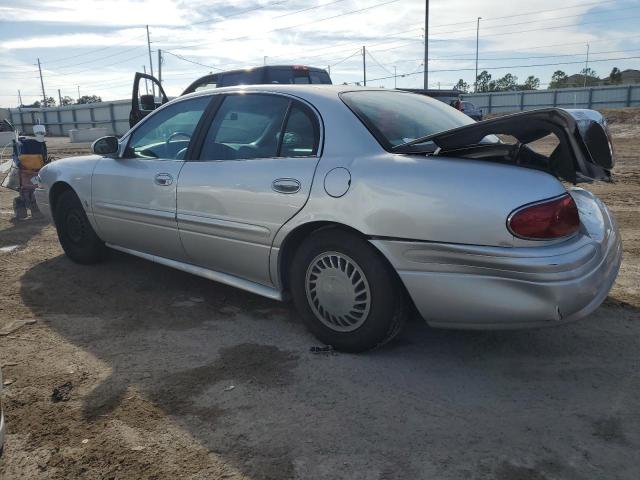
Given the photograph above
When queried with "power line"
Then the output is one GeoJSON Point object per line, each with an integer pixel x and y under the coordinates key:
{"type": "Point", "coordinates": [95, 50]}
{"type": "Point", "coordinates": [357, 52]}
{"type": "Point", "coordinates": [536, 21]}
{"type": "Point", "coordinates": [520, 66]}
{"type": "Point", "coordinates": [490, 19]}
{"type": "Point", "coordinates": [293, 26]}
{"type": "Point", "coordinates": [377, 62]}
{"type": "Point", "coordinates": [191, 61]}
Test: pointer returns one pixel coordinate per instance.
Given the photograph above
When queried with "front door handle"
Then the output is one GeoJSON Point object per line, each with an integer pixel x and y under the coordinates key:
{"type": "Point", "coordinates": [286, 185]}
{"type": "Point", "coordinates": [163, 179]}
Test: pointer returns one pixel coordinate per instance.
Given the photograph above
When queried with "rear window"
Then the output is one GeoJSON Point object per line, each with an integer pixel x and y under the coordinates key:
{"type": "Point", "coordinates": [396, 117]}
{"type": "Point", "coordinates": [249, 77]}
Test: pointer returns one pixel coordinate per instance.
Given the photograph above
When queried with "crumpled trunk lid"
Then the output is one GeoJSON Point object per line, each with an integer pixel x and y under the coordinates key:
{"type": "Point", "coordinates": [584, 152]}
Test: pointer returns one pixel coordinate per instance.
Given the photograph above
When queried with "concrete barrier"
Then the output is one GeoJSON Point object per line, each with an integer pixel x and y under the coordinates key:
{"type": "Point", "coordinates": [87, 135]}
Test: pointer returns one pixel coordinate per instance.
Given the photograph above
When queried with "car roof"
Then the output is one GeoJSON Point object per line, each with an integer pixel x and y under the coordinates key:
{"type": "Point", "coordinates": [301, 90]}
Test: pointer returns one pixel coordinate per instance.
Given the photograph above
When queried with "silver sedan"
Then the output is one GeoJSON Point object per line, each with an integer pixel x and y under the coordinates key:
{"type": "Point", "coordinates": [356, 203]}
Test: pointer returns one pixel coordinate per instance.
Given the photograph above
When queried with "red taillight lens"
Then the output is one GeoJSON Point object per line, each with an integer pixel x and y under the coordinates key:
{"type": "Point", "coordinates": [546, 220]}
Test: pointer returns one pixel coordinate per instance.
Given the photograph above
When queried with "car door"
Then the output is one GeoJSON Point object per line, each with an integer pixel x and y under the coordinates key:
{"type": "Point", "coordinates": [144, 101]}
{"type": "Point", "coordinates": [253, 173]}
{"type": "Point", "coordinates": [134, 195]}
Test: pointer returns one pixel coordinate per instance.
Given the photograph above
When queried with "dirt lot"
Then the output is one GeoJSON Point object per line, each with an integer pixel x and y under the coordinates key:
{"type": "Point", "coordinates": [136, 371]}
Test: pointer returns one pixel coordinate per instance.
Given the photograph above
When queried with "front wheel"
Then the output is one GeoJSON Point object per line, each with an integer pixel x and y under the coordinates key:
{"type": "Point", "coordinates": [346, 292]}
{"type": "Point", "coordinates": [77, 237]}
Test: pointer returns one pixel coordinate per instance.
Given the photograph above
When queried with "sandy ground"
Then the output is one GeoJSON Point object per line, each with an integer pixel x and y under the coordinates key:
{"type": "Point", "coordinates": [136, 371]}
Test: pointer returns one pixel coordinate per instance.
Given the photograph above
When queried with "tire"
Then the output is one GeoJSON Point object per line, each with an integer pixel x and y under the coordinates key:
{"type": "Point", "coordinates": [77, 237]}
{"type": "Point", "coordinates": [346, 293]}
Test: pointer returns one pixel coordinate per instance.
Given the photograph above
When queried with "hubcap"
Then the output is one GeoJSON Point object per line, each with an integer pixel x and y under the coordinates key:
{"type": "Point", "coordinates": [75, 227]}
{"type": "Point", "coordinates": [338, 291]}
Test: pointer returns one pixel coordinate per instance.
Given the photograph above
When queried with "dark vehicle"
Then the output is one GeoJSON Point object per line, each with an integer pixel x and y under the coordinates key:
{"type": "Point", "coordinates": [470, 110]}
{"type": "Point", "coordinates": [142, 105]}
{"type": "Point", "coordinates": [445, 96]}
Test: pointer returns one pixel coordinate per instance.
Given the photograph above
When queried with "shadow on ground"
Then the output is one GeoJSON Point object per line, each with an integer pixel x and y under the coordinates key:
{"type": "Point", "coordinates": [234, 370]}
{"type": "Point", "coordinates": [21, 231]}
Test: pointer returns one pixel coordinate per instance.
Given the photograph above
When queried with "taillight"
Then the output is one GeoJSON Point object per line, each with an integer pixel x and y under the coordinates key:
{"type": "Point", "coordinates": [544, 220]}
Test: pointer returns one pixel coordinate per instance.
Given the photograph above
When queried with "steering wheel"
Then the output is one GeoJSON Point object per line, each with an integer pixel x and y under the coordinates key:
{"type": "Point", "coordinates": [177, 134]}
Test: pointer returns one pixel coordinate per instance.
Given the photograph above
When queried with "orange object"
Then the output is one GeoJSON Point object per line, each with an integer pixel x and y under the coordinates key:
{"type": "Point", "coordinates": [31, 161]}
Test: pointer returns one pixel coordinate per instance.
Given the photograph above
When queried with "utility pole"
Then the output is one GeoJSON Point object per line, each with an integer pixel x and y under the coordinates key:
{"type": "Point", "coordinates": [160, 67]}
{"type": "Point", "coordinates": [20, 97]}
{"type": "Point", "coordinates": [475, 83]}
{"type": "Point", "coordinates": [78, 93]}
{"type": "Point", "coordinates": [59, 98]}
{"type": "Point", "coordinates": [329, 69]}
{"type": "Point", "coordinates": [44, 96]}
{"type": "Point", "coordinates": [395, 76]}
{"type": "Point", "coordinates": [364, 65]}
{"type": "Point", "coordinates": [146, 84]}
{"type": "Point", "coordinates": [153, 88]}
{"type": "Point", "coordinates": [586, 67]}
{"type": "Point", "coordinates": [426, 44]}
{"type": "Point", "coordinates": [264, 60]}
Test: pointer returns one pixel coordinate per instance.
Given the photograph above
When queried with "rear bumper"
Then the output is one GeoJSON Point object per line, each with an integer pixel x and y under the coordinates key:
{"type": "Point", "coordinates": [478, 287]}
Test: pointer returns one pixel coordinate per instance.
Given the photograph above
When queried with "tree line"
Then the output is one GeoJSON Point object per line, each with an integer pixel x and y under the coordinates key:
{"type": "Point", "coordinates": [66, 100]}
{"type": "Point", "coordinates": [559, 79]}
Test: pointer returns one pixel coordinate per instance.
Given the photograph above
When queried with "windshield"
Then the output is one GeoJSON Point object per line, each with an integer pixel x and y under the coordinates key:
{"type": "Point", "coordinates": [396, 117]}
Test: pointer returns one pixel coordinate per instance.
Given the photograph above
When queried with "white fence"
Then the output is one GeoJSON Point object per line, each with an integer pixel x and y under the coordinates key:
{"type": "Point", "coordinates": [59, 120]}
{"type": "Point", "coordinates": [115, 115]}
{"type": "Point", "coordinates": [591, 97]}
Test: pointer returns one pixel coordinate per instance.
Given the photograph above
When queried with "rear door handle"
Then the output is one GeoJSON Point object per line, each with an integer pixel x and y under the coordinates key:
{"type": "Point", "coordinates": [163, 179]}
{"type": "Point", "coordinates": [286, 185]}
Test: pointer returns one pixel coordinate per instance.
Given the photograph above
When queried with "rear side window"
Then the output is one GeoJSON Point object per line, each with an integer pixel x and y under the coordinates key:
{"type": "Point", "coordinates": [396, 117]}
{"type": "Point", "coordinates": [246, 126]}
{"type": "Point", "coordinates": [300, 136]}
{"type": "Point", "coordinates": [261, 126]}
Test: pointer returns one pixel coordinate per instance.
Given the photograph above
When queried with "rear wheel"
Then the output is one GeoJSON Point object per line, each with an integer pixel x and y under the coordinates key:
{"type": "Point", "coordinates": [77, 237]}
{"type": "Point", "coordinates": [346, 292]}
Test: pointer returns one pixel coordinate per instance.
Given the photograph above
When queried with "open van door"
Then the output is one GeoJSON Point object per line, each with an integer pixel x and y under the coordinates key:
{"type": "Point", "coordinates": [145, 98]}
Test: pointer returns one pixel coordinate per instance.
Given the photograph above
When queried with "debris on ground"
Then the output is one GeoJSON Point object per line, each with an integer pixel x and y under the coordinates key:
{"type": "Point", "coordinates": [8, 248]}
{"type": "Point", "coordinates": [62, 393]}
{"type": "Point", "coordinates": [8, 382]}
{"type": "Point", "coordinates": [325, 349]}
{"type": "Point", "coordinates": [229, 388]}
{"type": "Point", "coordinates": [15, 325]}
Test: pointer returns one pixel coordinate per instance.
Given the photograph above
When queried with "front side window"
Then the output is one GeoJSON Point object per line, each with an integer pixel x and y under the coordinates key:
{"type": "Point", "coordinates": [166, 134]}
{"type": "Point", "coordinates": [395, 118]}
{"type": "Point", "coordinates": [246, 126]}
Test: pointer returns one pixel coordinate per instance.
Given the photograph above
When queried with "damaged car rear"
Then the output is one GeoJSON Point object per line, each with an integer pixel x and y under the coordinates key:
{"type": "Point", "coordinates": [495, 239]}
{"type": "Point", "coordinates": [355, 203]}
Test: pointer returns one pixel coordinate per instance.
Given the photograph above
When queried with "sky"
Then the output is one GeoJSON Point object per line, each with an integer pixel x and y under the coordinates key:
{"type": "Point", "coordinates": [98, 45]}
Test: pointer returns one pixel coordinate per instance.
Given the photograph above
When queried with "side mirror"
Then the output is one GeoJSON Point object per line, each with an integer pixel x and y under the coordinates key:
{"type": "Point", "coordinates": [105, 146]}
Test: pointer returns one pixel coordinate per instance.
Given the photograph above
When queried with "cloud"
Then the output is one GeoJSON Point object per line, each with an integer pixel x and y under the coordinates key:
{"type": "Point", "coordinates": [100, 44]}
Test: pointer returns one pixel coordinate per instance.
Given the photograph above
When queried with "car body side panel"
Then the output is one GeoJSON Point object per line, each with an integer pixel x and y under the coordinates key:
{"type": "Point", "coordinates": [76, 172]}
{"type": "Point", "coordinates": [132, 210]}
{"type": "Point", "coordinates": [463, 286]}
{"type": "Point", "coordinates": [228, 212]}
